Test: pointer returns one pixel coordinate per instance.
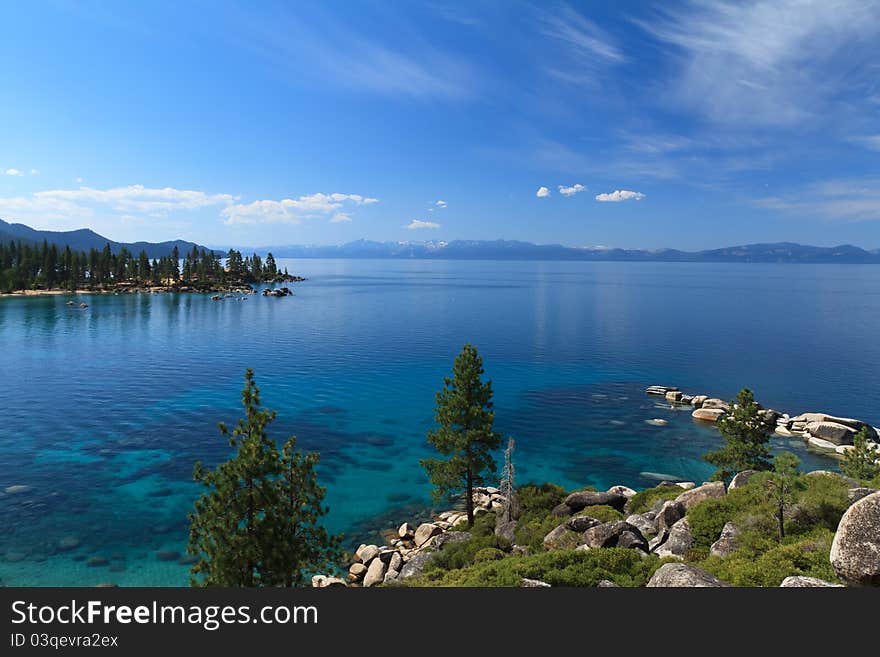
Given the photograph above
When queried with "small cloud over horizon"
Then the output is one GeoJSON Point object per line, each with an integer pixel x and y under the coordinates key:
{"type": "Point", "coordinates": [417, 224]}
{"type": "Point", "coordinates": [571, 191]}
{"type": "Point", "coordinates": [620, 195]}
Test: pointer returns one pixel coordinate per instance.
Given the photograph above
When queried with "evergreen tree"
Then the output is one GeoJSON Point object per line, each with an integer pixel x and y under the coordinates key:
{"type": "Point", "coordinates": [782, 483]}
{"type": "Point", "coordinates": [861, 462]}
{"type": "Point", "coordinates": [465, 436]}
{"type": "Point", "coordinates": [256, 524]}
{"type": "Point", "coordinates": [746, 432]}
{"type": "Point", "coordinates": [270, 269]}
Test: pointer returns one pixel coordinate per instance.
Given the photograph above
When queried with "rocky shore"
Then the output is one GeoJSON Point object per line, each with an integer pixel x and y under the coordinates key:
{"type": "Point", "coordinates": [664, 531]}
{"type": "Point", "coordinates": [825, 432]}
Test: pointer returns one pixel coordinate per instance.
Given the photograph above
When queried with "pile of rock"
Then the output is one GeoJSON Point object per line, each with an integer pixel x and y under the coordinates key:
{"type": "Point", "coordinates": [707, 409]}
{"type": "Point", "coordinates": [826, 432]}
{"type": "Point", "coordinates": [277, 292]}
{"type": "Point", "coordinates": [821, 430]}
{"type": "Point", "coordinates": [663, 530]}
{"type": "Point", "coordinates": [407, 554]}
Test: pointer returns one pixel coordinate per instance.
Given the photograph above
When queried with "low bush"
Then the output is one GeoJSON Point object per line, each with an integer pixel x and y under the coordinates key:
{"type": "Point", "coordinates": [565, 568]}
{"type": "Point", "coordinates": [601, 512]}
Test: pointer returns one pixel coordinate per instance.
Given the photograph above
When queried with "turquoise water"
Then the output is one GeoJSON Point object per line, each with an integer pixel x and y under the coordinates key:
{"type": "Point", "coordinates": [105, 409]}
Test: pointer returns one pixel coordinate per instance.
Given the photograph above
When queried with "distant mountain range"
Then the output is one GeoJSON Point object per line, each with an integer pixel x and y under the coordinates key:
{"type": "Point", "coordinates": [513, 250]}
{"type": "Point", "coordinates": [85, 239]}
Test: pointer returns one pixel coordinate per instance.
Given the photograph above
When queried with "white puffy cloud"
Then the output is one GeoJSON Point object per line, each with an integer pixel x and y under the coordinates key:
{"type": "Point", "coordinates": [13, 172]}
{"type": "Point", "coordinates": [542, 192]}
{"type": "Point", "coordinates": [571, 191]}
{"type": "Point", "coordinates": [417, 224]}
{"type": "Point", "coordinates": [620, 195]}
{"type": "Point", "coordinates": [294, 211]}
{"type": "Point", "coordinates": [440, 204]}
{"type": "Point", "coordinates": [85, 202]}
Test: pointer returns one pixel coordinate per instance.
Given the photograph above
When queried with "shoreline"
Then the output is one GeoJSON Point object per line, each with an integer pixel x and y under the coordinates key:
{"type": "Point", "coordinates": [241, 288]}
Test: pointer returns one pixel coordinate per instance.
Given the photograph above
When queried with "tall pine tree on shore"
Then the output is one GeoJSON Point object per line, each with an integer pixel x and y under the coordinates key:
{"type": "Point", "coordinates": [465, 435]}
{"type": "Point", "coordinates": [746, 432]}
{"type": "Point", "coordinates": [257, 522]}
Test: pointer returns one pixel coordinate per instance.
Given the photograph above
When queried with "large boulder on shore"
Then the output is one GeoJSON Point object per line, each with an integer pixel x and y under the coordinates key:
{"type": "Point", "coordinates": [855, 551]}
{"type": "Point", "coordinates": [425, 533]}
{"type": "Point", "coordinates": [679, 542]}
{"type": "Point", "coordinates": [740, 479]}
{"type": "Point", "coordinates": [805, 419]}
{"type": "Point", "coordinates": [833, 432]}
{"type": "Point", "coordinates": [726, 543]}
{"type": "Point", "coordinates": [707, 414]}
{"type": "Point", "coordinates": [692, 497]}
{"type": "Point", "coordinates": [416, 565]}
{"type": "Point", "coordinates": [802, 582]}
{"type": "Point", "coordinates": [560, 538]}
{"type": "Point", "coordinates": [715, 403]}
{"type": "Point", "coordinates": [614, 534]}
{"type": "Point", "coordinates": [584, 498]}
{"type": "Point", "coordinates": [669, 513]}
{"type": "Point", "coordinates": [580, 524]}
{"type": "Point", "coordinates": [375, 573]}
{"type": "Point", "coordinates": [683, 575]}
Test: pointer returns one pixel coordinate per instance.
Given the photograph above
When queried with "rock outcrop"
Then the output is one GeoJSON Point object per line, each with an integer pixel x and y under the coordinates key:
{"type": "Point", "coordinates": [683, 575]}
{"type": "Point", "coordinates": [855, 551]}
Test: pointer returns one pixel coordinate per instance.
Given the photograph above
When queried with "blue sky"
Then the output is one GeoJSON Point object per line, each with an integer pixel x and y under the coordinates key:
{"type": "Point", "coordinates": [631, 124]}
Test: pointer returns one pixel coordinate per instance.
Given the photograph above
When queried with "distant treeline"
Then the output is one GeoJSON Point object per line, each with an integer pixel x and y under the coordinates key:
{"type": "Point", "coordinates": [46, 266]}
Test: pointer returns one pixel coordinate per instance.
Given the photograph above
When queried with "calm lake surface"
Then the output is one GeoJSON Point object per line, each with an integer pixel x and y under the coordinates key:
{"type": "Point", "coordinates": [105, 409]}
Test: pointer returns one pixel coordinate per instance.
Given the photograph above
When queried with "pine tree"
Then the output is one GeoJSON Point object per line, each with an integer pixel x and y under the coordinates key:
{"type": "Point", "coordinates": [861, 462]}
{"type": "Point", "coordinates": [256, 524]}
{"type": "Point", "coordinates": [782, 483]}
{"type": "Point", "coordinates": [465, 435]}
{"type": "Point", "coordinates": [746, 432]}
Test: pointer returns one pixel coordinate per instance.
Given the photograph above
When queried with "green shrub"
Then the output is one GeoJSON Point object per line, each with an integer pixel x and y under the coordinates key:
{"type": "Point", "coordinates": [530, 531]}
{"type": "Point", "coordinates": [565, 568]}
{"type": "Point", "coordinates": [538, 499]}
{"type": "Point", "coordinates": [601, 512]}
{"type": "Point", "coordinates": [803, 555]}
{"type": "Point", "coordinates": [488, 554]}
{"type": "Point", "coordinates": [645, 499]}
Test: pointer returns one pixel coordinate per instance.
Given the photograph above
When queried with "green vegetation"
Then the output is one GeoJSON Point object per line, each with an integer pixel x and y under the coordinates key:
{"type": "Point", "coordinates": [561, 568]}
{"type": "Point", "coordinates": [746, 432]}
{"type": "Point", "coordinates": [465, 435]}
{"type": "Point", "coordinates": [645, 499]}
{"type": "Point", "coordinates": [47, 267]}
{"type": "Point", "coordinates": [811, 509]}
{"type": "Point", "coordinates": [257, 522]}
{"type": "Point", "coordinates": [811, 513]}
{"type": "Point", "coordinates": [860, 462]}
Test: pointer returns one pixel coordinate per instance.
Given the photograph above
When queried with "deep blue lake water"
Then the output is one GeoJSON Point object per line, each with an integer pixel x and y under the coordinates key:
{"type": "Point", "coordinates": [105, 409]}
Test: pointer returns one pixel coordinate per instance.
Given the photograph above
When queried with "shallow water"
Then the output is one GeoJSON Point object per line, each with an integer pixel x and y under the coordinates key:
{"type": "Point", "coordinates": [105, 409]}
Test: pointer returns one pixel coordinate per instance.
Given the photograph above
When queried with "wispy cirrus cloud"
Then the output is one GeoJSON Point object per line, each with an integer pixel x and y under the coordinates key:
{"type": "Point", "coordinates": [324, 46]}
{"type": "Point", "coordinates": [769, 64]}
{"type": "Point", "coordinates": [295, 211]}
{"type": "Point", "coordinates": [417, 224]}
{"type": "Point", "coordinates": [620, 195]}
{"type": "Point", "coordinates": [871, 142]}
{"type": "Point", "coordinates": [848, 200]}
{"type": "Point", "coordinates": [585, 49]}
